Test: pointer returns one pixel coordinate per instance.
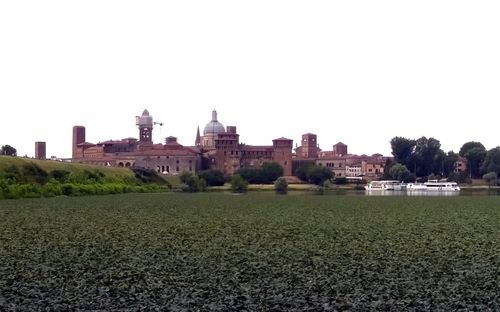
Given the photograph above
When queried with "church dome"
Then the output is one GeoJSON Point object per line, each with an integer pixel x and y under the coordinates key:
{"type": "Point", "coordinates": [214, 127]}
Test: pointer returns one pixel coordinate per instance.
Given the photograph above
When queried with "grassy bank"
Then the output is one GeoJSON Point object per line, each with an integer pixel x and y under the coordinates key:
{"type": "Point", "coordinates": [28, 178]}
{"type": "Point", "coordinates": [250, 252]}
{"type": "Point", "coordinates": [50, 165]}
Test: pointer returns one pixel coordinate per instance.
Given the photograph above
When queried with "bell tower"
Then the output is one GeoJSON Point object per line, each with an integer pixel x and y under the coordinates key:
{"type": "Point", "coordinates": [145, 124]}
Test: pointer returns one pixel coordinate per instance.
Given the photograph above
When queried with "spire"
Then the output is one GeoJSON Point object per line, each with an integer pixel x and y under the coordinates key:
{"type": "Point", "coordinates": [198, 138]}
{"type": "Point", "coordinates": [214, 115]}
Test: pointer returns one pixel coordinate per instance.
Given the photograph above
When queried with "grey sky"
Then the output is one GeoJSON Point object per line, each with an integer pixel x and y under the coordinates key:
{"type": "Point", "coordinates": [359, 72]}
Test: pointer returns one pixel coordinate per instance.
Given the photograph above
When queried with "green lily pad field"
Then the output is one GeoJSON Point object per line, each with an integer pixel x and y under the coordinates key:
{"type": "Point", "coordinates": [252, 252]}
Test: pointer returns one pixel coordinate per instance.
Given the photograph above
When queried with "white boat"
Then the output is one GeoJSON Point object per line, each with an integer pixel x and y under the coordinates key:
{"type": "Point", "coordinates": [433, 186]}
{"type": "Point", "coordinates": [386, 185]}
{"type": "Point", "coordinates": [442, 186]}
{"type": "Point", "coordinates": [412, 187]}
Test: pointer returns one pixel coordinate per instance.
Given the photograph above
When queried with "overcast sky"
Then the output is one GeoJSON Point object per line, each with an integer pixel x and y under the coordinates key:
{"type": "Point", "coordinates": [360, 72]}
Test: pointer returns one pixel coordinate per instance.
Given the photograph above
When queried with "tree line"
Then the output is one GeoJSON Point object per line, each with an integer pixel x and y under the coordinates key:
{"type": "Point", "coordinates": [424, 158]}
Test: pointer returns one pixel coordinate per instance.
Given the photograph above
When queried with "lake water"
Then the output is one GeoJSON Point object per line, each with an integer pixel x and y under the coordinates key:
{"type": "Point", "coordinates": [342, 192]}
{"type": "Point", "coordinates": [465, 192]}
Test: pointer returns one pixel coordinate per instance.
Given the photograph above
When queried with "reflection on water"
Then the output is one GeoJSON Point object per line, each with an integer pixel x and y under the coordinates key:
{"type": "Point", "coordinates": [463, 192]}
{"type": "Point", "coordinates": [410, 193]}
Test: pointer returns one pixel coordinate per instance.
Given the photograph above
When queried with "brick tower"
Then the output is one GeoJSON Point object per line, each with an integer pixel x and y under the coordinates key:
{"type": "Point", "coordinates": [145, 124]}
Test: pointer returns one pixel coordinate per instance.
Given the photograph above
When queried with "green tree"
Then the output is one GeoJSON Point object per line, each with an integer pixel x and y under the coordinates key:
{"type": "Point", "coordinates": [401, 173]}
{"type": "Point", "coordinates": [251, 175]}
{"type": "Point", "coordinates": [301, 172]}
{"type": "Point", "coordinates": [281, 185]}
{"type": "Point", "coordinates": [192, 183]}
{"type": "Point", "coordinates": [213, 177]}
{"type": "Point", "coordinates": [318, 174]}
{"type": "Point", "coordinates": [266, 174]}
{"type": "Point", "coordinates": [468, 146]}
{"type": "Point", "coordinates": [491, 161]}
{"type": "Point", "coordinates": [449, 163]}
{"type": "Point", "coordinates": [491, 178]}
{"type": "Point", "coordinates": [402, 150]}
{"type": "Point", "coordinates": [428, 157]}
{"type": "Point", "coordinates": [238, 184]}
{"type": "Point", "coordinates": [270, 171]}
{"type": "Point", "coordinates": [474, 152]}
{"type": "Point", "coordinates": [8, 150]}
{"type": "Point", "coordinates": [475, 158]}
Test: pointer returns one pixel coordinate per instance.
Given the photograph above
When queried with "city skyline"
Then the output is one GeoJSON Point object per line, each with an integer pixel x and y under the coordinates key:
{"type": "Point", "coordinates": [360, 73]}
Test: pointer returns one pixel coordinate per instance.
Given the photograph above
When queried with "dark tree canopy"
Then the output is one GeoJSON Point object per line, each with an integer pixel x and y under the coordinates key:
{"type": "Point", "coordinates": [491, 161]}
{"type": "Point", "coordinates": [318, 175]}
{"type": "Point", "coordinates": [475, 158]}
{"type": "Point", "coordinates": [402, 150]}
{"type": "Point", "coordinates": [401, 173]}
{"type": "Point", "coordinates": [8, 150]}
{"type": "Point", "coordinates": [266, 174]}
{"type": "Point", "coordinates": [213, 177]}
{"type": "Point", "coordinates": [468, 146]}
{"type": "Point", "coordinates": [428, 157]}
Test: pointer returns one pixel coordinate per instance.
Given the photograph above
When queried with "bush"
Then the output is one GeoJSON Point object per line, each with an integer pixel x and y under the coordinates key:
{"type": "Point", "coordinates": [266, 174]}
{"type": "Point", "coordinates": [281, 185]}
{"type": "Point", "coordinates": [251, 175]}
{"type": "Point", "coordinates": [33, 173]}
{"type": "Point", "coordinates": [52, 188]}
{"type": "Point", "coordinates": [149, 176]}
{"type": "Point", "coordinates": [318, 174]}
{"type": "Point", "coordinates": [212, 177]}
{"type": "Point", "coordinates": [301, 172]}
{"type": "Point", "coordinates": [59, 175]}
{"type": "Point", "coordinates": [191, 183]}
{"type": "Point", "coordinates": [238, 184]}
{"type": "Point", "coordinates": [270, 171]}
{"type": "Point", "coordinates": [491, 178]}
{"type": "Point", "coordinates": [341, 180]}
{"type": "Point", "coordinates": [459, 177]}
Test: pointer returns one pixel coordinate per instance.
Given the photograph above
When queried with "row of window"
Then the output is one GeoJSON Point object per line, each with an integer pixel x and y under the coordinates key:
{"type": "Point", "coordinates": [331, 165]}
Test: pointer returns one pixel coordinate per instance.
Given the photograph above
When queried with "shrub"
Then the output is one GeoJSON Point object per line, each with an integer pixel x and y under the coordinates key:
{"type": "Point", "coordinates": [318, 174]}
{"type": "Point", "coordinates": [67, 189]}
{"type": "Point", "coordinates": [281, 185]}
{"type": "Point", "coordinates": [212, 177]}
{"type": "Point", "coordinates": [59, 175]}
{"type": "Point", "coordinates": [340, 180]}
{"type": "Point", "coordinates": [270, 171]}
{"type": "Point", "coordinates": [251, 175]}
{"type": "Point", "coordinates": [266, 174]}
{"type": "Point", "coordinates": [491, 178]}
{"type": "Point", "coordinates": [33, 173]}
{"type": "Point", "coordinates": [51, 188]}
{"type": "Point", "coordinates": [238, 184]}
{"type": "Point", "coordinates": [191, 183]}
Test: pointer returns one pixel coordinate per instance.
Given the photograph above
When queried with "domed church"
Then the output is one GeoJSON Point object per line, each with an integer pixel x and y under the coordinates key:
{"type": "Point", "coordinates": [218, 148]}
{"type": "Point", "coordinates": [223, 151]}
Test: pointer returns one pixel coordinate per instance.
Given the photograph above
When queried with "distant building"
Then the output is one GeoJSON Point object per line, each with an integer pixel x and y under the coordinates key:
{"type": "Point", "coordinates": [336, 164]}
{"type": "Point", "coordinates": [170, 157]}
{"type": "Point", "coordinates": [309, 147]}
{"type": "Point", "coordinates": [223, 151]}
{"type": "Point", "coordinates": [217, 148]}
{"type": "Point", "coordinates": [460, 164]}
{"type": "Point", "coordinates": [40, 150]}
{"type": "Point", "coordinates": [340, 149]}
{"type": "Point", "coordinates": [338, 160]}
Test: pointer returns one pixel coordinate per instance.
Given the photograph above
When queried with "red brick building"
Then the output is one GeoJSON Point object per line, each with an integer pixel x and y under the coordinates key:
{"type": "Point", "coordinates": [170, 157]}
{"type": "Point", "coordinates": [221, 147]}
{"type": "Point", "coordinates": [218, 148]}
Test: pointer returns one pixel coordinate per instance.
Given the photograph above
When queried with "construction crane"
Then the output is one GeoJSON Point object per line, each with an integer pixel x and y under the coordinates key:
{"type": "Point", "coordinates": [161, 125]}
